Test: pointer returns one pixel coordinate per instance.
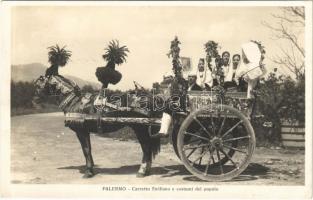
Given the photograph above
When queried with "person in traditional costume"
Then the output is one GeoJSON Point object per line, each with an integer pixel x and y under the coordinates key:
{"type": "Point", "coordinates": [175, 94]}
{"type": "Point", "coordinates": [204, 76]}
{"type": "Point", "coordinates": [166, 119]}
{"type": "Point", "coordinates": [192, 82]}
{"type": "Point", "coordinates": [230, 81]}
{"type": "Point", "coordinates": [223, 67]}
{"type": "Point", "coordinates": [176, 91]}
{"type": "Point", "coordinates": [252, 67]}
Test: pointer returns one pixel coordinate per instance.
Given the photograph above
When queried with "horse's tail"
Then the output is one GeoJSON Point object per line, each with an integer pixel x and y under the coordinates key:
{"type": "Point", "coordinates": [148, 144]}
{"type": "Point", "coordinates": [155, 146]}
{"type": "Point", "coordinates": [155, 143]}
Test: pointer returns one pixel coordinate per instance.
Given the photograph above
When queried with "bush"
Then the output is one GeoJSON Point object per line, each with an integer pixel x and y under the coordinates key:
{"type": "Point", "coordinates": [292, 106]}
{"type": "Point", "coordinates": [280, 98]}
{"type": "Point", "coordinates": [22, 94]}
{"type": "Point", "coordinates": [88, 88]}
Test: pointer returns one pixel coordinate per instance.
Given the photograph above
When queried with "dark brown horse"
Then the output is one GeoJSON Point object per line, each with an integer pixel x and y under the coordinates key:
{"type": "Point", "coordinates": [75, 103]}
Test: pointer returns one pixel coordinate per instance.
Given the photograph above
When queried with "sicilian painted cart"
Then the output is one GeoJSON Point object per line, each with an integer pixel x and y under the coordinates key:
{"type": "Point", "coordinates": [213, 137]}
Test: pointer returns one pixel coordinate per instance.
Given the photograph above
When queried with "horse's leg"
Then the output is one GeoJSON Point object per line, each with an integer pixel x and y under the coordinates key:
{"type": "Point", "coordinates": [144, 140]}
{"type": "Point", "coordinates": [146, 162]}
{"type": "Point", "coordinates": [84, 139]}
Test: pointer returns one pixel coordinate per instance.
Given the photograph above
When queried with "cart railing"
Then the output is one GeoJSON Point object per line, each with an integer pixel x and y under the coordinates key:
{"type": "Point", "coordinates": [205, 99]}
{"type": "Point", "coordinates": [80, 117]}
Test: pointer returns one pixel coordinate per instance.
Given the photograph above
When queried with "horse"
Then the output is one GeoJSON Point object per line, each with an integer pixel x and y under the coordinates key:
{"type": "Point", "coordinates": [73, 101]}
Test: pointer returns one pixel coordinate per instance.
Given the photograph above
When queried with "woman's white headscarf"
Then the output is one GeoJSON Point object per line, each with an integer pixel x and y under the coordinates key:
{"type": "Point", "coordinates": [252, 70]}
{"type": "Point", "coordinates": [204, 77]}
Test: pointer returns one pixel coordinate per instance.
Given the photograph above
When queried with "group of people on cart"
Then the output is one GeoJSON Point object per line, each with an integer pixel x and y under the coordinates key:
{"type": "Point", "coordinates": [235, 73]}
{"type": "Point", "coordinates": [232, 73]}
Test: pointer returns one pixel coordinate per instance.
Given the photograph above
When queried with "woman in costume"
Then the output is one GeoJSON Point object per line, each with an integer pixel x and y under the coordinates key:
{"type": "Point", "coordinates": [230, 81]}
{"type": "Point", "coordinates": [252, 67]}
{"type": "Point", "coordinates": [204, 76]}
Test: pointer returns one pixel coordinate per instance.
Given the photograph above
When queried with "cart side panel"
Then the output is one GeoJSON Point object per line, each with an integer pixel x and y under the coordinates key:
{"type": "Point", "coordinates": [204, 99]}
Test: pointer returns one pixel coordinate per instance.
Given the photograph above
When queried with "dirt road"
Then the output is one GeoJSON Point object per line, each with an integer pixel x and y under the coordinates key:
{"type": "Point", "coordinates": [44, 151]}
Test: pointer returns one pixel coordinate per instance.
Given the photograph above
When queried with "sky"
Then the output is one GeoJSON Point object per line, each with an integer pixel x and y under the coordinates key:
{"type": "Point", "coordinates": [145, 30]}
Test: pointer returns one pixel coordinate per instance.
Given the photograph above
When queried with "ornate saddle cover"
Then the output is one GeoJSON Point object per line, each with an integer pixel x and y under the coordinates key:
{"type": "Point", "coordinates": [118, 106]}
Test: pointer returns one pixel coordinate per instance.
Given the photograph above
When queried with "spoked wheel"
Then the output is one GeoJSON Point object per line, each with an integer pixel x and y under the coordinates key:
{"type": "Point", "coordinates": [216, 143]}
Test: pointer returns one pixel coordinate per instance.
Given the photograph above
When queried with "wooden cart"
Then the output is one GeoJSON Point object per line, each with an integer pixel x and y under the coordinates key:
{"type": "Point", "coordinates": [213, 137]}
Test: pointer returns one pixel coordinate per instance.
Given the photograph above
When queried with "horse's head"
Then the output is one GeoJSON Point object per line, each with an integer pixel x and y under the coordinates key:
{"type": "Point", "coordinates": [53, 85]}
{"type": "Point", "coordinates": [40, 85]}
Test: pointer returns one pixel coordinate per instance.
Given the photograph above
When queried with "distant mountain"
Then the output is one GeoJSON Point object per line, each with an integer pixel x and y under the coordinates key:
{"type": "Point", "coordinates": [30, 72]}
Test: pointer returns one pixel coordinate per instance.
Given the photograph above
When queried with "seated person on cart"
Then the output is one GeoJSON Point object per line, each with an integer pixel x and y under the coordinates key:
{"type": "Point", "coordinates": [230, 81]}
{"type": "Point", "coordinates": [192, 82]}
{"type": "Point", "coordinates": [221, 68]}
{"type": "Point", "coordinates": [177, 88]}
{"type": "Point", "coordinates": [252, 67]}
{"type": "Point", "coordinates": [204, 76]}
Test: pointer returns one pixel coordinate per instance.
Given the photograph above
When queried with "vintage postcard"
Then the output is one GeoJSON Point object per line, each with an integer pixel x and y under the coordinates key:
{"type": "Point", "coordinates": [156, 99]}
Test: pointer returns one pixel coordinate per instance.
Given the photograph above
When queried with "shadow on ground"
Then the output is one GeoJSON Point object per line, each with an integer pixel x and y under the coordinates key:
{"type": "Point", "coordinates": [254, 171]}
{"type": "Point", "coordinates": [166, 171]}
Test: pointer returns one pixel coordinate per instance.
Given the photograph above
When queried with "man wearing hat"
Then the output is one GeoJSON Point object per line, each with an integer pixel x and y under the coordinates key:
{"type": "Point", "coordinates": [192, 82]}
{"type": "Point", "coordinates": [166, 119]}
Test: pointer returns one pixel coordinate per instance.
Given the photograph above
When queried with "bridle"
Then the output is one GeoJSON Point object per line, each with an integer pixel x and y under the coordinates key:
{"type": "Point", "coordinates": [59, 84]}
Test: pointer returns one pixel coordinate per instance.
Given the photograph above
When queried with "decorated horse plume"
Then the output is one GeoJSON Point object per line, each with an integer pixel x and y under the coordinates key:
{"type": "Point", "coordinates": [57, 57]}
{"type": "Point", "coordinates": [114, 55]}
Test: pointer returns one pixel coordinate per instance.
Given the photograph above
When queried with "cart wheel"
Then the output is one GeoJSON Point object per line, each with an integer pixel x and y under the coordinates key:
{"type": "Point", "coordinates": [220, 146]}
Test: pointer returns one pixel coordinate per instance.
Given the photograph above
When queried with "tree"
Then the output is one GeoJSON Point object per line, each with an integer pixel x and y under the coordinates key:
{"type": "Point", "coordinates": [58, 57]}
{"type": "Point", "coordinates": [22, 94]}
{"type": "Point", "coordinates": [289, 26]}
{"type": "Point", "coordinates": [88, 88]}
